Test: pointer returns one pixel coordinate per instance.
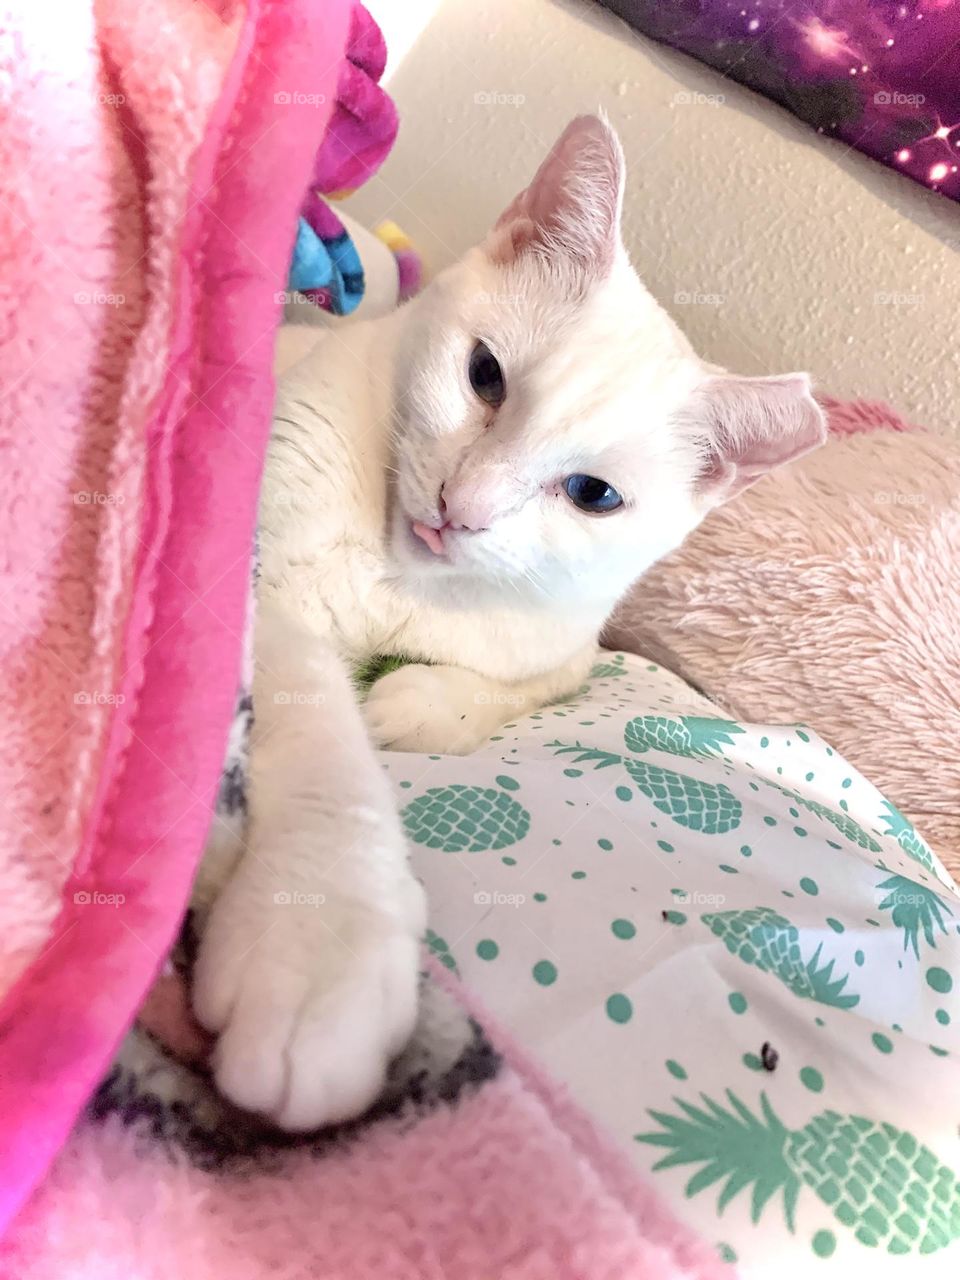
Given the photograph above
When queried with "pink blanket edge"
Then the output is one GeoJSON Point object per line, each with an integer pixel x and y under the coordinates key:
{"type": "Point", "coordinates": [63, 1019]}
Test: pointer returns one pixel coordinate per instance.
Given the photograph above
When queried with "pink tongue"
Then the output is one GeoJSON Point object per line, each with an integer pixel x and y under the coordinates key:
{"type": "Point", "coordinates": [430, 536]}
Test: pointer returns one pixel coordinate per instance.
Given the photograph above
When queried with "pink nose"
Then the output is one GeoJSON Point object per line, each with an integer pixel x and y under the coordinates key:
{"type": "Point", "coordinates": [466, 508]}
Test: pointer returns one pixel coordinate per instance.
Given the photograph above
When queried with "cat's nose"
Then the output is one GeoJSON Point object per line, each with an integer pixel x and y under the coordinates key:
{"type": "Point", "coordinates": [466, 508]}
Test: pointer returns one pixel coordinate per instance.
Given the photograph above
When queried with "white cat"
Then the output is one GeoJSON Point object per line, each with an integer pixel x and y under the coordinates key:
{"type": "Point", "coordinates": [472, 482]}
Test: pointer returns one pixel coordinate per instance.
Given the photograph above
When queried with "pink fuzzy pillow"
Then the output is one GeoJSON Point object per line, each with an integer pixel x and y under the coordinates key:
{"type": "Point", "coordinates": [828, 594]}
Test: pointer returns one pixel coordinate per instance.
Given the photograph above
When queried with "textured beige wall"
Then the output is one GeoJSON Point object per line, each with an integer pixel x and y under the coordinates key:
{"type": "Point", "coordinates": [792, 252]}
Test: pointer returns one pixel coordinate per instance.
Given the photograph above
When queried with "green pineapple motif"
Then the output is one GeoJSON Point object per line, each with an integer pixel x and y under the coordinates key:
{"type": "Point", "coordinates": [699, 806]}
{"type": "Point", "coordinates": [440, 949]}
{"type": "Point", "coordinates": [877, 1180]}
{"type": "Point", "coordinates": [697, 736]}
{"type": "Point", "coordinates": [691, 735]}
{"type": "Point", "coordinates": [842, 821]}
{"type": "Point", "coordinates": [914, 907]}
{"type": "Point", "coordinates": [462, 819]}
{"type": "Point", "coordinates": [609, 670]}
{"type": "Point", "coordinates": [905, 834]}
{"type": "Point", "coordinates": [762, 937]}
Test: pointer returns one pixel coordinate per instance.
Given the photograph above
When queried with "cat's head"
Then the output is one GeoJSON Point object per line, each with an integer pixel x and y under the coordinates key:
{"type": "Point", "coordinates": [555, 428]}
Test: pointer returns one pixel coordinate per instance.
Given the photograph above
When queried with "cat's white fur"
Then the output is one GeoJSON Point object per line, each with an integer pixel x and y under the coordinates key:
{"type": "Point", "coordinates": [308, 967]}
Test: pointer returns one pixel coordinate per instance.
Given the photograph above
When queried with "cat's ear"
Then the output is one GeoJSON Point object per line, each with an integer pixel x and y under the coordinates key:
{"type": "Point", "coordinates": [745, 427]}
{"type": "Point", "coordinates": [571, 209]}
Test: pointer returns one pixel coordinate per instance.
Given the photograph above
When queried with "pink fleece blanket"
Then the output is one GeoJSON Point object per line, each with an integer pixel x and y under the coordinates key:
{"type": "Point", "coordinates": [154, 156]}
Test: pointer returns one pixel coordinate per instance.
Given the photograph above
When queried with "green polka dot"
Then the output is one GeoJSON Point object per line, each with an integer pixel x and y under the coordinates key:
{"type": "Point", "coordinates": [731, 871]}
{"type": "Point", "coordinates": [941, 1053]}
{"type": "Point", "coordinates": [844, 806]}
{"type": "Point", "coordinates": [578, 875]}
{"type": "Point", "coordinates": [882, 1042]}
{"type": "Point", "coordinates": [811, 1079]}
{"type": "Point", "coordinates": [794, 813]}
{"type": "Point", "coordinates": [487, 949]}
{"type": "Point", "coordinates": [605, 844]}
{"type": "Point", "coordinates": [847, 782]}
{"type": "Point", "coordinates": [809, 886]}
{"type": "Point", "coordinates": [787, 893]}
{"type": "Point", "coordinates": [939, 980]}
{"type": "Point", "coordinates": [835, 925]}
{"type": "Point", "coordinates": [674, 917]}
{"type": "Point", "coordinates": [942, 1017]}
{"type": "Point", "coordinates": [623, 929]}
{"type": "Point", "coordinates": [573, 773]}
{"type": "Point", "coordinates": [764, 742]}
{"type": "Point", "coordinates": [737, 1002]}
{"type": "Point", "coordinates": [406, 784]}
{"type": "Point", "coordinates": [799, 831]}
{"type": "Point", "coordinates": [623, 793]}
{"type": "Point", "coordinates": [675, 1069]}
{"type": "Point", "coordinates": [771, 822]}
{"type": "Point", "coordinates": [619, 1008]}
{"type": "Point", "coordinates": [508, 861]}
{"type": "Point", "coordinates": [804, 737]}
{"type": "Point", "coordinates": [809, 777]}
{"type": "Point", "coordinates": [823, 1244]}
{"type": "Point", "coordinates": [727, 1252]}
{"type": "Point", "coordinates": [508, 783]}
{"type": "Point", "coordinates": [746, 851]}
{"type": "Point", "coordinates": [751, 1061]}
{"type": "Point", "coordinates": [820, 1022]}
{"type": "Point", "coordinates": [665, 846]}
{"type": "Point", "coordinates": [539, 897]}
{"type": "Point", "coordinates": [545, 973]}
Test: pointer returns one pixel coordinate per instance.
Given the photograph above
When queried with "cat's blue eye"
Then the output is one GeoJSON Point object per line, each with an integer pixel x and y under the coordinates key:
{"type": "Point", "coordinates": [486, 376]}
{"type": "Point", "coordinates": [591, 494]}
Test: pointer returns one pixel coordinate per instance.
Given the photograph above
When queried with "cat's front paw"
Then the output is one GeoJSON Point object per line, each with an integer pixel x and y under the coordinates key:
{"type": "Point", "coordinates": [430, 709]}
{"type": "Point", "coordinates": [311, 995]}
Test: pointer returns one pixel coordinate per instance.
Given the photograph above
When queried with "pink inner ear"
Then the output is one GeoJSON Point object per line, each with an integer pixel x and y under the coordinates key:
{"type": "Point", "coordinates": [753, 426]}
{"type": "Point", "coordinates": [572, 206]}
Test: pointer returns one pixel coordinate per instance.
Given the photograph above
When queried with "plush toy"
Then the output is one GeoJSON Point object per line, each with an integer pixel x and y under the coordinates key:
{"type": "Point", "coordinates": [326, 268]}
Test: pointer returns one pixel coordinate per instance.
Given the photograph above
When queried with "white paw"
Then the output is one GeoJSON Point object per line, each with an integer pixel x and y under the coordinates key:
{"type": "Point", "coordinates": [429, 709]}
{"type": "Point", "coordinates": [310, 1000]}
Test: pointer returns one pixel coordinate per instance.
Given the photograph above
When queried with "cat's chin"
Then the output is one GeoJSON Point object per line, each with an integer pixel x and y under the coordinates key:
{"type": "Point", "coordinates": [450, 569]}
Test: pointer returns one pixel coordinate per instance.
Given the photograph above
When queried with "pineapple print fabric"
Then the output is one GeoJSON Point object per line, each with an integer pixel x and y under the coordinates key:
{"type": "Point", "coordinates": [738, 954]}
